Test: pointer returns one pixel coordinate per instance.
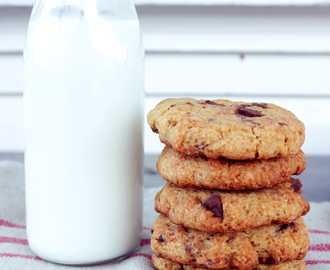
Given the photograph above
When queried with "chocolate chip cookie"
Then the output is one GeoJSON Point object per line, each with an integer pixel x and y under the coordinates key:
{"type": "Point", "coordinates": [201, 172]}
{"type": "Point", "coordinates": [162, 264]}
{"type": "Point", "coordinates": [231, 211]}
{"type": "Point", "coordinates": [263, 245]}
{"type": "Point", "coordinates": [223, 128]}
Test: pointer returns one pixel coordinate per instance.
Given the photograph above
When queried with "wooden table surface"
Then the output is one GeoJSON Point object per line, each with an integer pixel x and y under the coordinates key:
{"type": "Point", "coordinates": [315, 179]}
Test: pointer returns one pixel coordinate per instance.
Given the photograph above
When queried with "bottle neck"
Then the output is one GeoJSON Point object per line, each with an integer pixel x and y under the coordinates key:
{"type": "Point", "coordinates": [87, 9]}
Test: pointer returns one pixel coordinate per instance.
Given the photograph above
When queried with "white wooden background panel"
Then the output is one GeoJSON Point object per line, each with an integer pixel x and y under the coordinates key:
{"type": "Point", "coordinates": [209, 29]}
{"type": "Point", "coordinates": [252, 53]}
{"type": "Point", "coordinates": [312, 111]}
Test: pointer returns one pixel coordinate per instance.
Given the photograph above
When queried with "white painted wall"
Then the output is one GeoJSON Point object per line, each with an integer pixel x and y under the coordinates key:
{"type": "Point", "coordinates": [248, 52]}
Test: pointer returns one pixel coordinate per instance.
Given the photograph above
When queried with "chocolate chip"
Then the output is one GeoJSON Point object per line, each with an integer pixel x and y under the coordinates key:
{"type": "Point", "coordinates": [270, 260]}
{"type": "Point", "coordinates": [152, 231]}
{"type": "Point", "coordinates": [262, 105]}
{"type": "Point", "coordinates": [248, 112]}
{"type": "Point", "coordinates": [187, 248]}
{"type": "Point", "coordinates": [214, 204]}
{"type": "Point", "coordinates": [282, 124]}
{"type": "Point", "coordinates": [189, 103]}
{"type": "Point", "coordinates": [158, 255]}
{"type": "Point", "coordinates": [202, 146]}
{"type": "Point", "coordinates": [295, 184]}
{"type": "Point", "coordinates": [161, 239]}
{"type": "Point", "coordinates": [155, 130]}
{"type": "Point", "coordinates": [172, 106]}
{"type": "Point", "coordinates": [284, 226]}
{"type": "Point", "coordinates": [210, 102]}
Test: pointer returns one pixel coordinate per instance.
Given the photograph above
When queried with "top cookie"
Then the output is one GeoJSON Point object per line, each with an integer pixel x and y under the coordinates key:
{"type": "Point", "coordinates": [223, 128]}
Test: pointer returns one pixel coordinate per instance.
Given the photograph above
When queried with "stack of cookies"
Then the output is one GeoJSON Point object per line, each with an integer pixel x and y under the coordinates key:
{"type": "Point", "coordinates": [230, 201]}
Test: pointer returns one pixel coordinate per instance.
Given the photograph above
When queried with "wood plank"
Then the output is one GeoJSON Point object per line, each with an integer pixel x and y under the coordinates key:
{"type": "Point", "coordinates": [237, 74]}
{"type": "Point", "coordinates": [12, 74]}
{"type": "Point", "coordinates": [213, 74]}
{"type": "Point", "coordinates": [236, 29]}
{"type": "Point", "coordinates": [209, 29]}
{"type": "Point", "coordinates": [13, 28]}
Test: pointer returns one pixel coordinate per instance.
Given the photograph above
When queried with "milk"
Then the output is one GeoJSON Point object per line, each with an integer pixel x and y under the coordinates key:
{"type": "Point", "coordinates": [83, 107]}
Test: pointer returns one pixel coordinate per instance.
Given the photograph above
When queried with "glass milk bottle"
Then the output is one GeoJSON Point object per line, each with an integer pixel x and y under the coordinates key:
{"type": "Point", "coordinates": [83, 109]}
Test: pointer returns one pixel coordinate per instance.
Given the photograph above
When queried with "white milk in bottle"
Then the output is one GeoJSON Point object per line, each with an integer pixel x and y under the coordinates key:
{"type": "Point", "coordinates": [83, 129]}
